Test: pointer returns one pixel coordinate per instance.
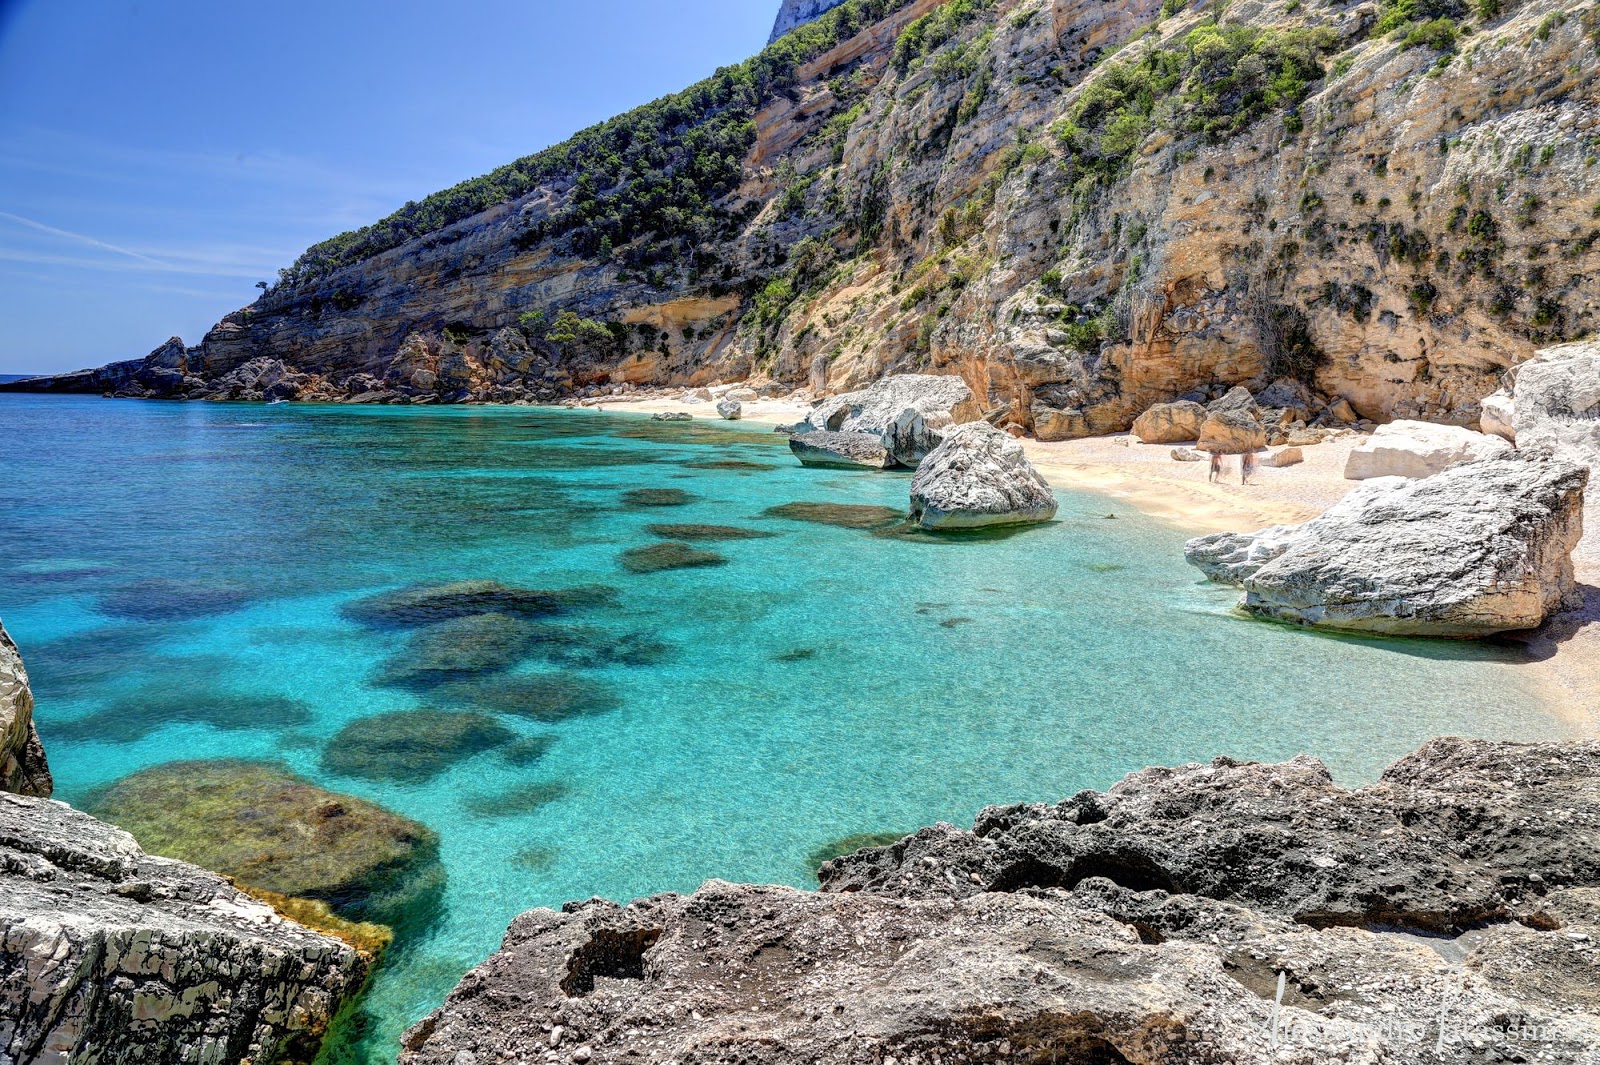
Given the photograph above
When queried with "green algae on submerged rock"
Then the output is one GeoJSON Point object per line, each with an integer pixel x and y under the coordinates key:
{"type": "Point", "coordinates": [527, 751]}
{"type": "Point", "coordinates": [267, 827]}
{"type": "Point", "coordinates": [708, 533]}
{"type": "Point", "coordinates": [155, 707]}
{"type": "Point", "coordinates": [587, 647]}
{"type": "Point", "coordinates": [428, 604]}
{"type": "Point", "coordinates": [535, 696]}
{"type": "Point", "coordinates": [460, 647]}
{"type": "Point", "coordinates": [668, 556]}
{"type": "Point", "coordinates": [412, 746]}
{"type": "Point", "coordinates": [658, 497]}
{"type": "Point", "coordinates": [173, 600]}
{"type": "Point", "coordinates": [844, 515]}
{"type": "Point", "coordinates": [518, 801]}
{"type": "Point", "coordinates": [731, 465]}
{"type": "Point", "coordinates": [536, 859]}
{"type": "Point", "coordinates": [838, 848]}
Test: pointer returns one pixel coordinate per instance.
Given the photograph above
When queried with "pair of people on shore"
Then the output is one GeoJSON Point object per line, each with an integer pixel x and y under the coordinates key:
{"type": "Point", "coordinates": [1247, 467]}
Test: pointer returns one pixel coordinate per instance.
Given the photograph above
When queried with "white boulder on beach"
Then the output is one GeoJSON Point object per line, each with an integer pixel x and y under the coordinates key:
{"type": "Point", "coordinates": [1419, 449]}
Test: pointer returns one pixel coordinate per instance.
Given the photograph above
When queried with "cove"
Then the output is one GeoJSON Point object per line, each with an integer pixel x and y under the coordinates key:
{"type": "Point", "coordinates": [190, 581]}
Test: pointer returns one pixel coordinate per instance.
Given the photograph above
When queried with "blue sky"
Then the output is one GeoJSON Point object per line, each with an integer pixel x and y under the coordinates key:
{"type": "Point", "coordinates": [159, 157]}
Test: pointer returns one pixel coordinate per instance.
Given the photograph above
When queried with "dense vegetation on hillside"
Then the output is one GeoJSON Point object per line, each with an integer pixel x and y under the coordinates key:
{"type": "Point", "coordinates": [656, 172]}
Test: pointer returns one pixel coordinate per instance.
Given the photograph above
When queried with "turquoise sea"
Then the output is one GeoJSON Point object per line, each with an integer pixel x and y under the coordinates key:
{"type": "Point", "coordinates": [824, 681]}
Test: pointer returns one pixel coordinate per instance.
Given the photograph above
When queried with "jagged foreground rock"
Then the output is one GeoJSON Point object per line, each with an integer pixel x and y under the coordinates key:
{"type": "Point", "coordinates": [1144, 925]}
{"type": "Point", "coordinates": [1419, 449]}
{"type": "Point", "coordinates": [1482, 548]}
{"type": "Point", "coordinates": [109, 954]}
{"type": "Point", "coordinates": [1389, 200]}
{"type": "Point", "coordinates": [24, 768]}
{"type": "Point", "coordinates": [977, 478]}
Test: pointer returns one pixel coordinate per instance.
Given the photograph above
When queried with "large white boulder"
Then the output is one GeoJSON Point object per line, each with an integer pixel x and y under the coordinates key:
{"type": "Point", "coordinates": [1557, 402]}
{"type": "Point", "coordinates": [1419, 449]}
{"type": "Point", "coordinates": [908, 412]}
{"type": "Point", "coordinates": [1479, 549]}
{"type": "Point", "coordinates": [976, 478]}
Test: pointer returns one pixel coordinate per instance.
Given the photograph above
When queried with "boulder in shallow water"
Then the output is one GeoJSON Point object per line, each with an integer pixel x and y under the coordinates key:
{"type": "Point", "coordinates": [908, 413]}
{"type": "Point", "coordinates": [670, 555]}
{"type": "Point", "coordinates": [461, 647]}
{"type": "Point", "coordinates": [273, 830]}
{"type": "Point", "coordinates": [979, 477]}
{"type": "Point", "coordinates": [843, 515]}
{"type": "Point", "coordinates": [411, 746]}
{"type": "Point", "coordinates": [841, 450]}
{"type": "Point", "coordinates": [426, 604]}
{"type": "Point", "coordinates": [1170, 423]}
{"type": "Point", "coordinates": [1479, 549]}
{"type": "Point", "coordinates": [658, 497]}
{"type": "Point", "coordinates": [546, 697]}
{"type": "Point", "coordinates": [1419, 449]}
{"type": "Point", "coordinates": [23, 766]}
{"type": "Point", "coordinates": [113, 956]}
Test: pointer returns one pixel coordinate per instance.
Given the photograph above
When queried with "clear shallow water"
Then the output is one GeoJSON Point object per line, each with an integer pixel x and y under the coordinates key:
{"type": "Point", "coordinates": [812, 689]}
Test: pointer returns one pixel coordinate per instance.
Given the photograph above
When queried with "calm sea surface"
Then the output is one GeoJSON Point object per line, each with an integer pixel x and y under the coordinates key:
{"type": "Point", "coordinates": [824, 681]}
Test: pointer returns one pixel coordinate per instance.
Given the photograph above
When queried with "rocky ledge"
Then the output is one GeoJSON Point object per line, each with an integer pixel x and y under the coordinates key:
{"type": "Point", "coordinates": [1482, 548]}
{"type": "Point", "coordinates": [23, 767]}
{"type": "Point", "coordinates": [109, 954]}
{"type": "Point", "coordinates": [1232, 912]}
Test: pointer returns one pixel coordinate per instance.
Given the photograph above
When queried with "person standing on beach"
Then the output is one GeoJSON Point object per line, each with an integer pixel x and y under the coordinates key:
{"type": "Point", "coordinates": [1247, 467]}
{"type": "Point", "coordinates": [1216, 466]}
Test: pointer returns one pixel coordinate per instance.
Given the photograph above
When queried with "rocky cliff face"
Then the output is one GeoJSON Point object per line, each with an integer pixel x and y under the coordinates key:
{"type": "Point", "coordinates": [1080, 208]}
{"type": "Point", "coordinates": [24, 769]}
{"type": "Point", "coordinates": [1234, 913]}
{"type": "Point", "coordinates": [795, 13]}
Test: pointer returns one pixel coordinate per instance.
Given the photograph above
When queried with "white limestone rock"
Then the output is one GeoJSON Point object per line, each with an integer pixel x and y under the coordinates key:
{"type": "Point", "coordinates": [979, 477]}
{"type": "Point", "coordinates": [846, 450]}
{"type": "Point", "coordinates": [1480, 549]}
{"type": "Point", "coordinates": [908, 412]}
{"type": "Point", "coordinates": [1557, 402]}
{"type": "Point", "coordinates": [1419, 449]}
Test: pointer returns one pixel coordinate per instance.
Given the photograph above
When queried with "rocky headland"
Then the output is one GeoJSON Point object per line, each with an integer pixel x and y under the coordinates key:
{"type": "Point", "coordinates": [1231, 912]}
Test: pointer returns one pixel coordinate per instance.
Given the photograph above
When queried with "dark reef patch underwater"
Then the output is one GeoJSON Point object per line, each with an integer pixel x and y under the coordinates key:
{"type": "Point", "coordinates": [405, 635]}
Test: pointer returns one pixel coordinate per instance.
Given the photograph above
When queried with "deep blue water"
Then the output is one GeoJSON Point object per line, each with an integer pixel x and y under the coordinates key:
{"type": "Point", "coordinates": [824, 682]}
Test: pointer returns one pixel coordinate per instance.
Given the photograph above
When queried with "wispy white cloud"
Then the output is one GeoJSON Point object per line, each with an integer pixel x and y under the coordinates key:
{"type": "Point", "coordinates": [81, 238]}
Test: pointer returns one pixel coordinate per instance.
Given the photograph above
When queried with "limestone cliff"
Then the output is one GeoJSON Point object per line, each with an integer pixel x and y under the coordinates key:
{"type": "Point", "coordinates": [1081, 208]}
{"type": "Point", "coordinates": [795, 13]}
{"type": "Point", "coordinates": [24, 769]}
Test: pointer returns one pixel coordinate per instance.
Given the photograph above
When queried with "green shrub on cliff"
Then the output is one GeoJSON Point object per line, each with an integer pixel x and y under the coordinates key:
{"type": "Point", "coordinates": [654, 175]}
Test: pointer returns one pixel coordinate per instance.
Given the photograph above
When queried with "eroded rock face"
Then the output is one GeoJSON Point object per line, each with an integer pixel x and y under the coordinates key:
{"type": "Point", "coordinates": [979, 477]}
{"type": "Point", "coordinates": [23, 766]}
{"type": "Point", "coordinates": [907, 412]}
{"type": "Point", "coordinates": [107, 954]}
{"type": "Point", "coordinates": [1479, 549]}
{"type": "Point", "coordinates": [1419, 449]}
{"type": "Point", "coordinates": [1144, 925]}
{"type": "Point", "coordinates": [848, 450]}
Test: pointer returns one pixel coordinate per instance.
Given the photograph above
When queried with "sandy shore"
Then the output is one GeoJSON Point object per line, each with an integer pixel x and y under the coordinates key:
{"type": "Point", "coordinates": [1566, 668]}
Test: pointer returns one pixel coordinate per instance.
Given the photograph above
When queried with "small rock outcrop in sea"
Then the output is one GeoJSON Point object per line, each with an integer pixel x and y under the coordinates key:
{"type": "Point", "coordinates": [1147, 924]}
{"type": "Point", "coordinates": [1170, 423]}
{"type": "Point", "coordinates": [1479, 549]}
{"type": "Point", "coordinates": [24, 769]}
{"type": "Point", "coordinates": [1419, 449]}
{"type": "Point", "coordinates": [108, 954]}
{"type": "Point", "coordinates": [907, 413]}
{"type": "Point", "coordinates": [979, 477]}
{"type": "Point", "coordinates": [278, 832]}
{"type": "Point", "coordinates": [842, 450]}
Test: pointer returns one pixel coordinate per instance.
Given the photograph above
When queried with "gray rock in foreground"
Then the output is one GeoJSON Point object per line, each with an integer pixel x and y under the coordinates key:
{"type": "Point", "coordinates": [979, 477]}
{"type": "Point", "coordinates": [907, 412]}
{"type": "Point", "coordinates": [23, 766]}
{"type": "Point", "coordinates": [108, 954]}
{"type": "Point", "coordinates": [846, 450]}
{"type": "Point", "coordinates": [1145, 925]}
{"type": "Point", "coordinates": [1479, 549]}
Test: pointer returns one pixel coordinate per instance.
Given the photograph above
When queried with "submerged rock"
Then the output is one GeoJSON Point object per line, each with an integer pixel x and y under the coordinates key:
{"type": "Point", "coordinates": [658, 497]}
{"type": "Point", "coordinates": [1419, 449]}
{"type": "Point", "coordinates": [478, 643]}
{"type": "Point", "coordinates": [841, 450]}
{"type": "Point", "coordinates": [1479, 549]}
{"type": "Point", "coordinates": [1170, 423]}
{"type": "Point", "coordinates": [274, 830]}
{"type": "Point", "coordinates": [109, 955]}
{"type": "Point", "coordinates": [538, 697]}
{"type": "Point", "coordinates": [712, 533]}
{"type": "Point", "coordinates": [1147, 924]}
{"type": "Point", "coordinates": [157, 706]}
{"type": "Point", "coordinates": [428, 604]}
{"type": "Point", "coordinates": [838, 848]}
{"type": "Point", "coordinates": [907, 413]}
{"type": "Point", "coordinates": [979, 477]}
{"type": "Point", "coordinates": [174, 600]}
{"type": "Point", "coordinates": [24, 769]}
{"type": "Point", "coordinates": [844, 515]}
{"type": "Point", "coordinates": [670, 555]}
{"type": "Point", "coordinates": [411, 746]}
{"type": "Point", "coordinates": [735, 465]}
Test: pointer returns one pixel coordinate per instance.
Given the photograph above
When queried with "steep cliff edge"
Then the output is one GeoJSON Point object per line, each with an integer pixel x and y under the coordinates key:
{"type": "Point", "coordinates": [1080, 208]}
{"type": "Point", "coordinates": [795, 13]}
{"type": "Point", "coordinates": [1230, 912]}
{"type": "Point", "coordinates": [24, 770]}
